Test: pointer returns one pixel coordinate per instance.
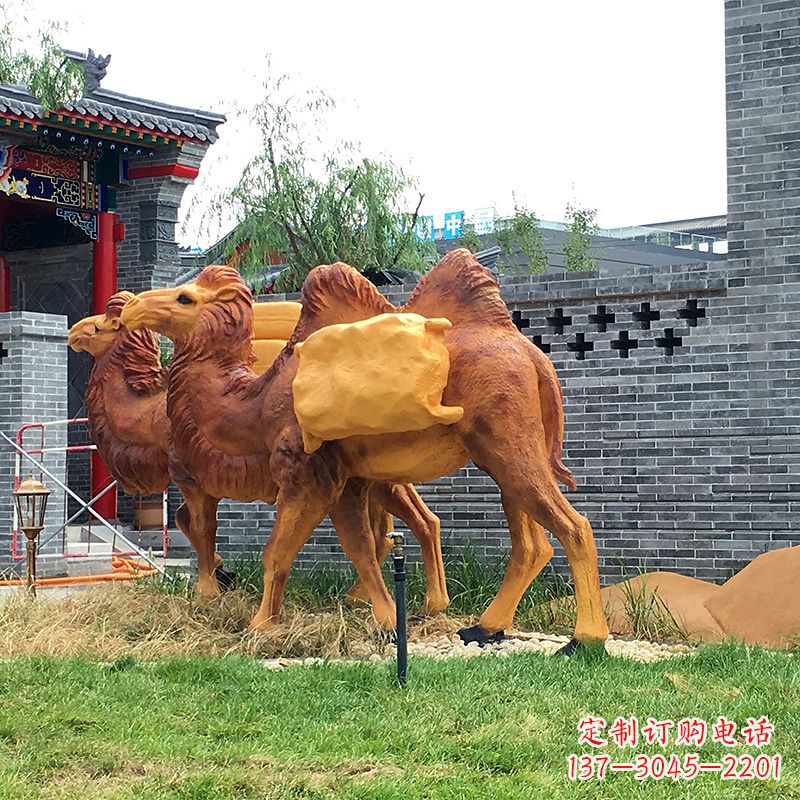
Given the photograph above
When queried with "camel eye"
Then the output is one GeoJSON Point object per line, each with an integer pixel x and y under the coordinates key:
{"type": "Point", "coordinates": [185, 300]}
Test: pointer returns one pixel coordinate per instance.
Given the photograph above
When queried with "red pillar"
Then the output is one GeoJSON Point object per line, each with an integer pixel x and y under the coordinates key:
{"type": "Point", "coordinates": [104, 284]}
{"type": "Point", "coordinates": [5, 286]}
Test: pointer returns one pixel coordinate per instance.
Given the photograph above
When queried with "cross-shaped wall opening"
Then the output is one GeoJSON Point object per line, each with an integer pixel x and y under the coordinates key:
{"type": "Point", "coordinates": [645, 315]}
{"type": "Point", "coordinates": [559, 321]}
{"type": "Point", "coordinates": [669, 341]}
{"type": "Point", "coordinates": [580, 346]}
{"type": "Point", "coordinates": [537, 340]}
{"type": "Point", "coordinates": [691, 313]}
{"type": "Point", "coordinates": [521, 322]}
{"type": "Point", "coordinates": [624, 344]}
{"type": "Point", "coordinates": [602, 318]}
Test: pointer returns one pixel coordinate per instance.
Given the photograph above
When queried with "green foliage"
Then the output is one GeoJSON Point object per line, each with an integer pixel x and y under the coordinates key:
{"type": "Point", "coordinates": [30, 57]}
{"type": "Point", "coordinates": [578, 256]}
{"type": "Point", "coordinates": [522, 233]}
{"type": "Point", "coordinates": [649, 616]}
{"type": "Point", "coordinates": [308, 202]}
{"type": "Point", "coordinates": [470, 239]}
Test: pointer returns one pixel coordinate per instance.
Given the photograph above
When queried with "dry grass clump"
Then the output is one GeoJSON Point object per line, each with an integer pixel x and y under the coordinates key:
{"type": "Point", "coordinates": [113, 621]}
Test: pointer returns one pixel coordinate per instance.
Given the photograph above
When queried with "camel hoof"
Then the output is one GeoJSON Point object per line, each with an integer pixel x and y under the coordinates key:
{"type": "Point", "coordinates": [477, 634]}
{"type": "Point", "coordinates": [206, 591]}
{"type": "Point", "coordinates": [434, 607]}
{"type": "Point", "coordinates": [225, 580]}
{"type": "Point", "coordinates": [356, 601]}
{"type": "Point", "coordinates": [261, 625]}
{"type": "Point", "coordinates": [572, 647]}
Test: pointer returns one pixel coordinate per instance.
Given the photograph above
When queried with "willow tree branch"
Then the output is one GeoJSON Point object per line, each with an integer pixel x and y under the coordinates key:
{"type": "Point", "coordinates": [410, 232]}
{"type": "Point", "coordinates": [306, 227]}
{"type": "Point", "coordinates": [277, 184]}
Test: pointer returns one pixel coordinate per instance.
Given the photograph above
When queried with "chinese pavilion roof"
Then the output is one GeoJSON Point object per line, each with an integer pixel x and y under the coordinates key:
{"type": "Point", "coordinates": [106, 113]}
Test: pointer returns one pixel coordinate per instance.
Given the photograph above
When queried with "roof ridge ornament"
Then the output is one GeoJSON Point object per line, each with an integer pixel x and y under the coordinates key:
{"type": "Point", "coordinates": [94, 69]}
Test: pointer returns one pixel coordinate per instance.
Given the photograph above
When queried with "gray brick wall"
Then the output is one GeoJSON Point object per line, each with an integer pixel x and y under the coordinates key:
{"type": "Point", "coordinates": [33, 385]}
{"type": "Point", "coordinates": [762, 73]}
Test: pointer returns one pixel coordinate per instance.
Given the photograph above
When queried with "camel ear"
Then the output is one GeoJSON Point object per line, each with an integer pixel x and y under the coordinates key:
{"type": "Point", "coordinates": [116, 323]}
{"type": "Point", "coordinates": [226, 294]}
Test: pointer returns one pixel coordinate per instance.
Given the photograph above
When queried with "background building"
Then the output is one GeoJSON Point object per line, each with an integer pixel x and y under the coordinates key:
{"type": "Point", "coordinates": [89, 198]}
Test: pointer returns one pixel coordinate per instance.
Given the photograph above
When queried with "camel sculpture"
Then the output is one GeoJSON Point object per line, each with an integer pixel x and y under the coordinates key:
{"type": "Point", "coordinates": [127, 407]}
{"type": "Point", "coordinates": [126, 402]}
{"type": "Point", "coordinates": [512, 427]}
{"type": "Point", "coordinates": [126, 399]}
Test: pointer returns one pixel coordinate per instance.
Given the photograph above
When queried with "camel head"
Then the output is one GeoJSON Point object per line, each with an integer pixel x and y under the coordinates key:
{"type": "Point", "coordinates": [97, 333]}
{"type": "Point", "coordinates": [217, 305]}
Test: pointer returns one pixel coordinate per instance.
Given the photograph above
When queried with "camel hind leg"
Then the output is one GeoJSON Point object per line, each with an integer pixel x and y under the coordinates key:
{"type": "Point", "coordinates": [546, 504]}
{"type": "Point", "coordinates": [530, 552]}
{"type": "Point", "coordinates": [403, 501]}
{"type": "Point", "coordinates": [527, 481]}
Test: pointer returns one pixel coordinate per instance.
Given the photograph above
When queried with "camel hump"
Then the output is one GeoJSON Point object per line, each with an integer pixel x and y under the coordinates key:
{"type": "Point", "coordinates": [342, 287]}
{"type": "Point", "coordinates": [460, 288]}
{"type": "Point", "coordinates": [380, 375]}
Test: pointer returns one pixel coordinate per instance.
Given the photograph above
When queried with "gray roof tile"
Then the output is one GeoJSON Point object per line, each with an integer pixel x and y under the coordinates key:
{"type": "Point", "coordinates": [124, 109]}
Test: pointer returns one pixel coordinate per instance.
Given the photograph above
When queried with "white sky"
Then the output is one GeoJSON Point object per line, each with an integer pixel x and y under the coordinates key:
{"type": "Point", "coordinates": [618, 104]}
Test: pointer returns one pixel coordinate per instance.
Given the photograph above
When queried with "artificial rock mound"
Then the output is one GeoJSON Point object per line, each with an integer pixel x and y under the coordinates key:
{"type": "Point", "coordinates": [758, 605]}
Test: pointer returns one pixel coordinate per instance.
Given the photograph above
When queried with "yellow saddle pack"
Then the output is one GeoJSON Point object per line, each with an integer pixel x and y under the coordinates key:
{"type": "Point", "coordinates": [380, 375]}
{"type": "Point", "coordinates": [273, 324]}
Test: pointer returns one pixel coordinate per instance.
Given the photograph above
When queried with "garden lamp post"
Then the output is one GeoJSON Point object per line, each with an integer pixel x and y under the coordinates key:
{"type": "Point", "coordinates": [31, 500]}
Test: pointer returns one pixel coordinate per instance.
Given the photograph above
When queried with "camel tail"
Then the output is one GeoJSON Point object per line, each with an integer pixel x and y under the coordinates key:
{"type": "Point", "coordinates": [551, 400]}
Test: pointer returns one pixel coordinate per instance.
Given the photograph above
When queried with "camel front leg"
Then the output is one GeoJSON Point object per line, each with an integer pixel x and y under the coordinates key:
{"type": "Point", "coordinates": [296, 518]}
{"type": "Point", "coordinates": [309, 484]}
{"type": "Point", "coordinates": [197, 518]}
{"type": "Point", "coordinates": [350, 517]}
{"type": "Point", "coordinates": [382, 524]}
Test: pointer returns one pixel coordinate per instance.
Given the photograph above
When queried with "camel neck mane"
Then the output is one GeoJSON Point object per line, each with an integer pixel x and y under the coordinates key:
{"type": "Point", "coordinates": [223, 339]}
{"type": "Point", "coordinates": [136, 356]}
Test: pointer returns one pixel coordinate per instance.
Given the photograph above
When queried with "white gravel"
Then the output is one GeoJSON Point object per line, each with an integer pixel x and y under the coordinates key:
{"type": "Point", "coordinates": [517, 642]}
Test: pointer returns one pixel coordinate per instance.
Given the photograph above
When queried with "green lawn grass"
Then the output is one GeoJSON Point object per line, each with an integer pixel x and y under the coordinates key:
{"type": "Point", "coordinates": [219, 729]}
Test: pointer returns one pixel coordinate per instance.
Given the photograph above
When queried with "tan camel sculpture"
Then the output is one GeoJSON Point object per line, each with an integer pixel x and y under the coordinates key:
{"type": "Point", "coordinates": [511, 428]}
{"type": "Point", "coordinates": [126, 403]}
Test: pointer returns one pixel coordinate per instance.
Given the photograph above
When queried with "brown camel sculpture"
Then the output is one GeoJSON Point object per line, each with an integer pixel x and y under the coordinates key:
{"type": "Point", "coordinates": [126, 401]}
{"type": "Point", "coordinates": [511, 427]}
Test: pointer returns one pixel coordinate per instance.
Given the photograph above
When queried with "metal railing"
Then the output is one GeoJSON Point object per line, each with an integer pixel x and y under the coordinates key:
{"type": "Point", "coordinates": [106, 533]}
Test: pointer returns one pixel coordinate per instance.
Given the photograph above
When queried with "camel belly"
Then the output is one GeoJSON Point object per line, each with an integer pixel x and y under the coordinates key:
{"type": "Point", "coordinates": [410, 457]}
